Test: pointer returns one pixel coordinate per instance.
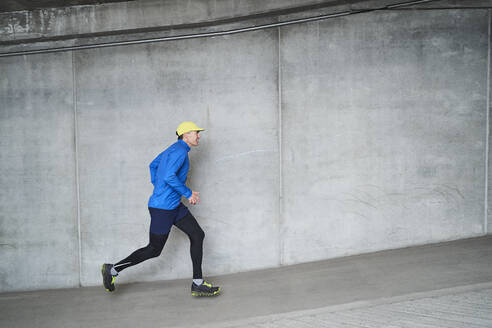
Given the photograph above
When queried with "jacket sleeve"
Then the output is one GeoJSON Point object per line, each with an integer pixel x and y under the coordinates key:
{"type": "Point", "coordinates": [153, 168]}
{"type": "Point", "coordinates": [169, 169]}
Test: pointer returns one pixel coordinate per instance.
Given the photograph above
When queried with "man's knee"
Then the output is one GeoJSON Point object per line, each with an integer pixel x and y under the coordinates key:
{"type": "Point", "coordinates": [154, 251]}
{"type": "Point", "coordinates": [198, 235]}
{"type": "Point", "coordinates": [156, 244]}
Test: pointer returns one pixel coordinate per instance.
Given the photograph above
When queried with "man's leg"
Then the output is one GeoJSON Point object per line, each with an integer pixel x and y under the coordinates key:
{"type": "Point", "coordinates": [190, 227]}
{"type": "Point", "coordinates": [196, 235]}
{"type": "Point", "coordinates": [153, 249]}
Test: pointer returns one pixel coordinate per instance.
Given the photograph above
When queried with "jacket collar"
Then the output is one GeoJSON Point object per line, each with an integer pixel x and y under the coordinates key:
{"type": "Point", "coordinates": [184, 144]}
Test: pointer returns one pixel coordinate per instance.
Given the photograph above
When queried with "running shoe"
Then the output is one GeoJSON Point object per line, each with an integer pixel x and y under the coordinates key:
{"type": "Point", "coordinates": [108, 278]}
{"type": "Point", "coordinates": [205, 289]}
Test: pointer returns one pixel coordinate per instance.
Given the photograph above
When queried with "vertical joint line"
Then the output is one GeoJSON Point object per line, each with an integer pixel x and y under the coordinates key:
{"type": "Point", "coordinates": [487, 134]}
{"type": "Point", "coordinates": [280, 205]}
{"type": "Point", "coordinates": [76, 148]}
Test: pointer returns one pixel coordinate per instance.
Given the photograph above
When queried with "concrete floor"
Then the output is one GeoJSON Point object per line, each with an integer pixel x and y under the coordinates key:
{"type": "Point", "coordinates": [466, 307]}
{"type": "Point", "coordinates": [405, 287]}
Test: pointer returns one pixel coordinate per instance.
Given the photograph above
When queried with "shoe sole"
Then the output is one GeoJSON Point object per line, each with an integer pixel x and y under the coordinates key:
{"type": "Point", "coordinates": [198, 294]}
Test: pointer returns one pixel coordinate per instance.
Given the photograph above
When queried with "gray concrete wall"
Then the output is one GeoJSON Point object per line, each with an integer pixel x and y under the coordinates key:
{"type": "Point", "coordinates": [135, 14]}
{"type": "Point", "coordinates": [384, 132]}
{"type": "Point", "coordinates": [131, 15]}
{"type": "Point", "coordinates": [128, 116]}
{"type": "Point", "coordinates": [488, 218]}
{"type": "Point", "coordinates": [38, 222]}
{"type": "Point", "coordinates": [380, 118]}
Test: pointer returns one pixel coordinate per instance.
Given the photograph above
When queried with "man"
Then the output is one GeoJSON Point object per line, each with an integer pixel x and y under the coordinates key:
{"type": "Point", "coordinates": [168, 173]}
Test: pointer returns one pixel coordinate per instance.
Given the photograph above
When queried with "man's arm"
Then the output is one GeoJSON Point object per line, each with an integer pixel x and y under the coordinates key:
{"type": "Point", "coordinates": [153, 167]}
{"type": "Point", "coordinates": [172, 166]}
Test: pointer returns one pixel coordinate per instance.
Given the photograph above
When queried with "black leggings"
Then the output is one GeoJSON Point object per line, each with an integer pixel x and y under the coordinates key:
{"type": "Point", "coordinates": [190, 227]}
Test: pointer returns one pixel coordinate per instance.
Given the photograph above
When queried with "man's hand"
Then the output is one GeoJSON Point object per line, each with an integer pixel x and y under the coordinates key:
{"type": "Point", "coordinates": [194, 199]}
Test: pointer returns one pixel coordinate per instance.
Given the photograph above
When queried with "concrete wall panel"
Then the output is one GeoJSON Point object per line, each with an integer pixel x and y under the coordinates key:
{"type": "Point", "coordinates": [384, 131]}
{"type": "Point", "coordinates": [130, 101]}
{"type": "Point", "coordinates": [38, 222]}
{"type": "Point", "coordinates": [488, 220]}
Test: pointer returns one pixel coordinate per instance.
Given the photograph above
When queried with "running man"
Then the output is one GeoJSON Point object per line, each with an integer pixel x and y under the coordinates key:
{"type": "Point", "coordinates": [168, 173]}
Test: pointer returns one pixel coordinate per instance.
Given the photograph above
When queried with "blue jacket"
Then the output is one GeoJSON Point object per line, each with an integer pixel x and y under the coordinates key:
{"type": "Point", "coordinates": [168, 173]}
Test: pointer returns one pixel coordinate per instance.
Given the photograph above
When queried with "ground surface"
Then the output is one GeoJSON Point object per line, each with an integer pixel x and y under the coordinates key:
{"type": "Point", "coordinates": [443, 285]}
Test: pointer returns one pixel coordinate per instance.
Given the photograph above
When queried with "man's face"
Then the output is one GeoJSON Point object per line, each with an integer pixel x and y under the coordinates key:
{"type": "Point", "coordinates": [192, 138]}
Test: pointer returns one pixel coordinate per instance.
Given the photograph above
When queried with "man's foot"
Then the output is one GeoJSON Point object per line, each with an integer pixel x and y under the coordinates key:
{"type": "Point", "coordinates": [108, 278]}
{"type": "Point", "coordinates": [205, 289]}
